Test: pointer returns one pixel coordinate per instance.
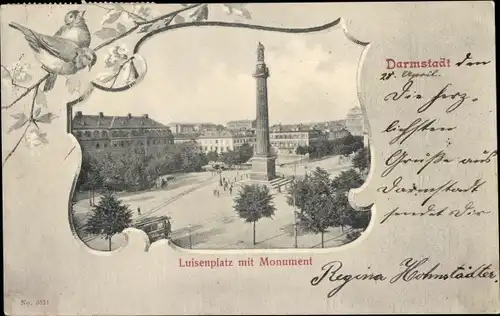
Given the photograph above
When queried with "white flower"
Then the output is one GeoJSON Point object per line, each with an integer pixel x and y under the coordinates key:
{"type": "Point", "coordinates": [35, 138]}
{"type": "Point", "coordinates": [143, 11]}
{"type": "Point", "coordinates": [20, 71]}
{"type": "Point", "coordinates": [110, 60]}
{"type": "Point", "coordinates": [122, 51]}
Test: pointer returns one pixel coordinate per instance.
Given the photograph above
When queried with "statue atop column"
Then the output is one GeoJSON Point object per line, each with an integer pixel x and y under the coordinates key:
{"type": "Point", "coordinates": [260, 52]}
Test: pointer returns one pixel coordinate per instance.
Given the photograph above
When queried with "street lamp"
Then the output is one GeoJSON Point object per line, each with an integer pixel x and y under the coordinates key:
{"type": "Point", "coordinates": [295, 207]}
{"type": "Point", "coordinates": [190, 241]}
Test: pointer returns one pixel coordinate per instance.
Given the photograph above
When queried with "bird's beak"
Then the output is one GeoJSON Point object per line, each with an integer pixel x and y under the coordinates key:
{"type": "Point", "coordinates": [82, 13]}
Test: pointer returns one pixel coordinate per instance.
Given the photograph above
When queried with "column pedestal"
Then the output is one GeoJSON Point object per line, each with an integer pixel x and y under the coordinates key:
{"type": "Point", "coordinates": [263, 168]}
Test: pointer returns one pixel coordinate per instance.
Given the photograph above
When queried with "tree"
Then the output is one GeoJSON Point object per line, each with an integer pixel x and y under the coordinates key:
{"type": "Point", "coordinates": [253, 203]}
{"type": "Point", "coordinates": [300, 150]}
{"type": "Point", "coordinates": [347, 180]}
{"type": "Point", "coordinates": [342, 184]}
{"type": "Point", "coordinates": [361, 160]}
{"type": "Point", "coordinates": [109, 217]}
{"type": "Point", "coordinates": [316, 202]}
{"type": "Point", "coordinates": [90, 177]}
{"type": "Point", "coordinates": [212, 156]}
{"type": "Point", "coordinates": [230, 158]}
{"type": "Point", "coordinates": [246, 152]}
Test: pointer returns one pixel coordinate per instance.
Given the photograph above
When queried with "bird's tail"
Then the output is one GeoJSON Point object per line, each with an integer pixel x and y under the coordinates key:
{"type": "Point", "coordinates": [26, 31]}
{"type": "Point", "coordinates": [50, 82]}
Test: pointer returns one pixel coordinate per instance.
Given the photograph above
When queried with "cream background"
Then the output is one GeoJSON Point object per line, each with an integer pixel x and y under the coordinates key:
{"type": "Point", "coordinates": [44, 261]}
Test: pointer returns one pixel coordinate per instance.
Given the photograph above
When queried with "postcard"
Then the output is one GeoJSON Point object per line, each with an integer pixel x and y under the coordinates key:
{"type": "Point", "coordinates": [248, 158]}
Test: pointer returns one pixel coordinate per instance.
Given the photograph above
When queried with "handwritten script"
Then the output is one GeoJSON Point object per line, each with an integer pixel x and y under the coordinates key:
{"type": "Point", "coordinates": [409, 270]}
{"type": "Point", "coordinates": [427, 88]}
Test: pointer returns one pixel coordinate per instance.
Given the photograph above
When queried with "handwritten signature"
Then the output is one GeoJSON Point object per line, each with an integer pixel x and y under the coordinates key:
{"type": "Point", "coordinates": [411, 270]}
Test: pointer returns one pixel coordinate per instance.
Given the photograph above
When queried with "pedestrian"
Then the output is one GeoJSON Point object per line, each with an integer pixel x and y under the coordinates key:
{"type": "Point", "coordinates": [138, 211]}
{"type": "Point", "coordinates": [234, 179]}
{"type": "Point", "coordinates": [220, 182]}
{"type": "Point", "coordinates": [218, 193]}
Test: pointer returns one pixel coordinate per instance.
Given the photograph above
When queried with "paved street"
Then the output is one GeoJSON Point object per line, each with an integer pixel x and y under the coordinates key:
{"type": "Point", "coordinates": [214, 223]}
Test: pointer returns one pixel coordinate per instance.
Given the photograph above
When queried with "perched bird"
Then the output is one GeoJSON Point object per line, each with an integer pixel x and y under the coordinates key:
{"type": "Point", "coordinates": [58, 56]}
{"type": "Point", "coordinates": [75, 28]}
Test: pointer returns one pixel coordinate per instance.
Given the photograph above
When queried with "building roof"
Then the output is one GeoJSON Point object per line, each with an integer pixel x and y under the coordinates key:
{"type": "Point", "coordinates": [240, 121]}
{"type": "Point", "coordinates": [225, 134]}
{"type": "Point", "coordinates": [191, 124]}
{"type": "Point", "coordinates": [108, 122]}
{"type": "Point", "coordinates": [291, 128]}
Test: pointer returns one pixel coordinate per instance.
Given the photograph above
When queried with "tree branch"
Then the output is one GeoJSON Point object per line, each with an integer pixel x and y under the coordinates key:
{"type": "Point", "coordinates": [121, 9]}
{"type": "Point", "coordinates": [106, 43]}
{"type": "Point", "coordinates": [235, 25]}
{"type": "Point", "coordinates": [173, 13]}
{"type": "Point", "coordinates": [31, 119]}
{"type": "Point", "coordinates": [28, 90]}
{"type": "Point", "coordinates": [17, 144]}
{"type": "Point", "coordinates": [120, 70]}
{"type": "Point", "coordinates": [12, 79]}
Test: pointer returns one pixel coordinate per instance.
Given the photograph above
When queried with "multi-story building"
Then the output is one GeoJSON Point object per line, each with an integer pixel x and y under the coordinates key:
{"type": "Point", "coordinates": [286, 138]}
{"type": "Point", "coordinates": [355, 122]}
{"type": "Point", "coordinates": [336, 132]}
{"type": "Point", "coordinates": [185, 138]}
{"type": "Point", "coordinates": [188, 128]}
{"type": "Point", "coordinates": [120, 135]}
{"type": "Point", "coordinates": [241, 125]}
{"type": "Point", "coordinates": [224, 141]}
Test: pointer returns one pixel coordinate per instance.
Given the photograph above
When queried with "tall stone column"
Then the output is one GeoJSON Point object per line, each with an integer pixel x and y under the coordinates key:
{"type": "Point", "coordinates": [263, 164]}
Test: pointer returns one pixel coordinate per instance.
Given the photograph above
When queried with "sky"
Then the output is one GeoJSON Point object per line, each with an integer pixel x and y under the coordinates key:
{"type": "Point", "coordinates": [205, 74]}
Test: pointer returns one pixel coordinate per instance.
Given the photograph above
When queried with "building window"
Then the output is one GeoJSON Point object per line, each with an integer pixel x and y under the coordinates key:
{"type": "Point", "coordinates": [121, 144]}
{"type": "Point", "coordinates": [105, 145]}
{"type": "Point", "coordinates": [228, 149]}
{"type": "Point", "coordinates": [97, 145]}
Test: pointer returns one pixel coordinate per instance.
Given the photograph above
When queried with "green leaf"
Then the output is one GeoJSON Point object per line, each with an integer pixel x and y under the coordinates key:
{"type": "Point", "coordinates": [106, 33]}
{"type": "Point", "coordinates": [37, 112]}
{"type": "Point", "coordinates": [20, 123]}
{"type": "Point", "coordinates": [40, 98]}
{"type": "Point", "coordinates": [19, 116]}
{"type": "Point", "coordinates": [145, 28]}
{"type": "Point", "coordinates": [46, 118]}
{"type": "Point", "coordinates": [112, 17]}
{"type": "Point", "coordinates": [121, 28]}
{"type": "Point", "coordinates": [200, 14]}
{"type": "Point", "coordinates": [179, 19]}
